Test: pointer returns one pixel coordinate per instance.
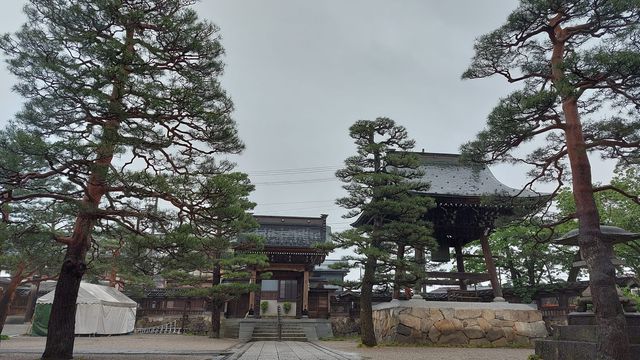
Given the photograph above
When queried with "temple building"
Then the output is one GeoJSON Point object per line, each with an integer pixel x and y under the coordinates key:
{"type": "Point", "coordinates": [298, 284]}
{"type": "Point", "coordinates": [469, 199]}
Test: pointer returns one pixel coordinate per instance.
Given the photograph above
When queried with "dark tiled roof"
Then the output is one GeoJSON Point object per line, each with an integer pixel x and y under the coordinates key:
{"type": "Point", "coordinates": [289, 231]}
{"type": "Point", "coordinates": [449, 176]}
{"type": "Point", "coordinates": [612, 233]}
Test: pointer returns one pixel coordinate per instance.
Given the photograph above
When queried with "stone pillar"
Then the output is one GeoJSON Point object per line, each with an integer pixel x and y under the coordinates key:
{"type": "Point", "coordinates": [305, 291]}
{"type": "Point", "coordinates": [491, 266]}
{"type": "Point", "coordinates": [252, 295]}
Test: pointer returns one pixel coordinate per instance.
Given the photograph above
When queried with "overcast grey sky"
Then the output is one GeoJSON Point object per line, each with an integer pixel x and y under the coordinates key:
{"type": "Point", "coordinates": [301, 72]}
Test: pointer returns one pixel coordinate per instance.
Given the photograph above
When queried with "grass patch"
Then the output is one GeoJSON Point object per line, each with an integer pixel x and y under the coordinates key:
{"type": "Point", "coordinates": [4, 337]}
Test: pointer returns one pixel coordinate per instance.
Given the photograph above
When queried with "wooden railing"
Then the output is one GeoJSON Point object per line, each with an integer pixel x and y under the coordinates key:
{"type": "Point", "coordinates": [555, 312]}
{"type": "Point", "coordinates": [170, 312]}
{"type": "Point", "coordinates": [168, 328]}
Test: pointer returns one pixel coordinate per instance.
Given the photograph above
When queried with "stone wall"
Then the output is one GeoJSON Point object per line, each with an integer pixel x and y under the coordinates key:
{"type": "Point", "coordinates": [455, 323]}
{"type": "Point", "coordinates": [345, 325]}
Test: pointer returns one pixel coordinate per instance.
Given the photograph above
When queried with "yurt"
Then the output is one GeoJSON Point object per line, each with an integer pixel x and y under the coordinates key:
{"type": "Point", "coordinates": [101, 310]}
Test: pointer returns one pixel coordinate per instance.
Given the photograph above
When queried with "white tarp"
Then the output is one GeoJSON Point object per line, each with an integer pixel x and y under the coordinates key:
{"type": "Point", "coordinates": [100, 310]}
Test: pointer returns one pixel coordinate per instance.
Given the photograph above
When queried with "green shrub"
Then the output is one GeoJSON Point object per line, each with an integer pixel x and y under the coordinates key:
{"type": "Point", "coordinates": [264, 306]}
{"type": "Point", "coordinates": [286, 307]}
{"type": "Point", "coordinates": [4, 337]}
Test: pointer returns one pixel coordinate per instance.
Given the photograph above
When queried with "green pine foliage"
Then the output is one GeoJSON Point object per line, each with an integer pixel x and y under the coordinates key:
{"type": "Point", "coordinates": [577, 64]}
{"type": "Point", "coordinates": [383, 181]}
{"type": "Point", "coordinates": [123, 109]}
{"type": "Point", "coordinates": [213, 255]}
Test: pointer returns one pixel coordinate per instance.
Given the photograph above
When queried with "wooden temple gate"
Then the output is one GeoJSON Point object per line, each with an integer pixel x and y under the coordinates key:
{"type": "Point", "coordinates": [469, 199]}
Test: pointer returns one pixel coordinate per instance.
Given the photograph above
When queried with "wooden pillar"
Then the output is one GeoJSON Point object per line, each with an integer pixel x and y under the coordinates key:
{"type": "Point", "coordinates": [420, 260]}
{"type": "Point", "coordinates": [491, 266]}
{"type": "Point", "coordinates": [252, 295]}
{"type": "Point", "coordinates": [305, 291]}
{"type": "Point", "coordinates": [399, 273]}
{"type": "Point", "coordinates": [460, 263]}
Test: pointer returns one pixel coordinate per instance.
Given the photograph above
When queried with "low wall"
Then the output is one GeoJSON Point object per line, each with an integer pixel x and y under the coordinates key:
{"type": "Point", "coordinates": [458, 323]}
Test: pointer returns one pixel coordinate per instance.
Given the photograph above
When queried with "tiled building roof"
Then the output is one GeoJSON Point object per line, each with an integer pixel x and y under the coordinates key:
{"type": "Point", "coordinates": [449, 176]}
{"type": "Point", "coordinates": [291, 231]}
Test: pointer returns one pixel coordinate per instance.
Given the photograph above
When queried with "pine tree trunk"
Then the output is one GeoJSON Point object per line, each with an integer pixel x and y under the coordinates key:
{"type": "Point", "coordinates": [613, 341]}
{"type": "Point", "coordinates": [7, 297]}
{"type": "Point", "coordinates": [215, 320]}
{"type": "Point", "coordinates": [61, 327]}
{"type": "Point", "coordinates": [367, 334]}
{"type": "Point", "coordinates": [215, 304]}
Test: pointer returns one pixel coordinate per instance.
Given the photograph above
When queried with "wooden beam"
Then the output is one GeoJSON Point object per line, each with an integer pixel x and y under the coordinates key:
{"type": "Point", "coordinates": [252, 295]}
{"type": "Point", "coordinates": [480, 256]}
{"type": "Point", "coordinates": [460, 264]}
{"type": "Point", "coordinates": [459, 275]}
{"type": "Point", "coordinates": [491, 266]}
{"type": "Point", "coordinates": [305, 291]}
{"type": "Point", "coordinates": [441, 282]}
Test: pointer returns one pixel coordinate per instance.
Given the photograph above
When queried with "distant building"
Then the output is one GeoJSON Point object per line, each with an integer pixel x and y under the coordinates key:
{"type": "Point", "coordinates": [300, 275]}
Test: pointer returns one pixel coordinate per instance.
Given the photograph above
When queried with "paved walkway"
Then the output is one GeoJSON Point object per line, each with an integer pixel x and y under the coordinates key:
{"type": "Point", "coordinates": [289, 350]}
{"type": "Point", "coordinates": [179, 347]}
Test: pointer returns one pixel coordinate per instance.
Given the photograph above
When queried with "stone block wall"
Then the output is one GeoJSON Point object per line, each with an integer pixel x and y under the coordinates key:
{"type": "Point", "coordinates": [447, 323]}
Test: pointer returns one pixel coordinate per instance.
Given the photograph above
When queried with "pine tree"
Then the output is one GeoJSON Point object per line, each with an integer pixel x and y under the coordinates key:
{"type": "Point", "coordinates": [124, 98]}
{"type": "Point", "coordinates": [382, 181]}
{"type": "Point", "coordinates": [27, 250]}
{"type": "Point", "coordinates": [578, 65]}
{"type": "Point", "coordinates": [213, 244]}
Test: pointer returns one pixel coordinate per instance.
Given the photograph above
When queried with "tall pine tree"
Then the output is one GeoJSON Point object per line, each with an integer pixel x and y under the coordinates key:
{"type": "Point", "coordinates": [207, 246]}
{"type": "Point", "coordinates": [578, 66]}
{"type": "Point", "coordinates": [382, 180]}
{"type": "Point", "coordinates": [124, 95]}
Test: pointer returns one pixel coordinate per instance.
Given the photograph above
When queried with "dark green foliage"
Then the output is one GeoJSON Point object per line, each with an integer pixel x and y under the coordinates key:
{"type": "Point", "coordinates": [526, 256]}
{"type": "Point", "coordinates": [382, 181]}
{"type": "Point", "coordinates": [170, 117]}
{"type": "Point", "coordinates": [601, 67]}
{"type": "Point", "coordinates": [578, 65]}
{"type": "Point", "coordinates": [210, 248]}
{"type": "Point", "coordinates": [617, 207]}
{"type": "Point", "coordinates": [123, 110]}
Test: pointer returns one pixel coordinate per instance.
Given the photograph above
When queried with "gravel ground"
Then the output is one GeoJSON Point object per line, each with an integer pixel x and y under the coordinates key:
{"type": "Point", "coordinates": [427, 353]}
{"type": "Point", "coordinates": [179, 347]}
{"type": "Point", "coordinates": [139, 347]}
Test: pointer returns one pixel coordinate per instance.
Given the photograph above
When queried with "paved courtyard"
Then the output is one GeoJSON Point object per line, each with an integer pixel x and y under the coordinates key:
{"type": "Point", "coordinates": [178, 347]}
{"type": "Point", "coordinates": [289, 350]}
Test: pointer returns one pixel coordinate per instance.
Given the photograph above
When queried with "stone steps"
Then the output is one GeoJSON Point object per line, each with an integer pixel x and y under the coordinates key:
{"type": "Point", "coordinates": [633, 319]}
{"type": "Point", "coordinates": [571, 350]}
{"type": "Point", "coordinates": [269, 332]}
{"type": "Point", "coordinates": [589, 332]}
{"type": "Point", "coordinates": [577, 341]}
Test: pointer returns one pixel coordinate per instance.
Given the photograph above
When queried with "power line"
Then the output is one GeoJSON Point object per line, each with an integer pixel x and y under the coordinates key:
{"type": "Point", "coordinates": [293, 171]}
{"type": "Point", "coordinates": [306, 208]}
{"type": "Point", "coordinates": [296, 202]}
{"type": "Point", "coordinates": [291, 182]}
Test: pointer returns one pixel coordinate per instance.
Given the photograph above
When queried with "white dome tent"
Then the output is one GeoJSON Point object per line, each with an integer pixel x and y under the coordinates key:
{"type": "Point", "coordinates": [101, 310]}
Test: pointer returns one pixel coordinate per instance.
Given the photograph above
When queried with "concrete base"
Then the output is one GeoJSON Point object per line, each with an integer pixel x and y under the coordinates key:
{"type": "Point", "coordinates": [577, 341]}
